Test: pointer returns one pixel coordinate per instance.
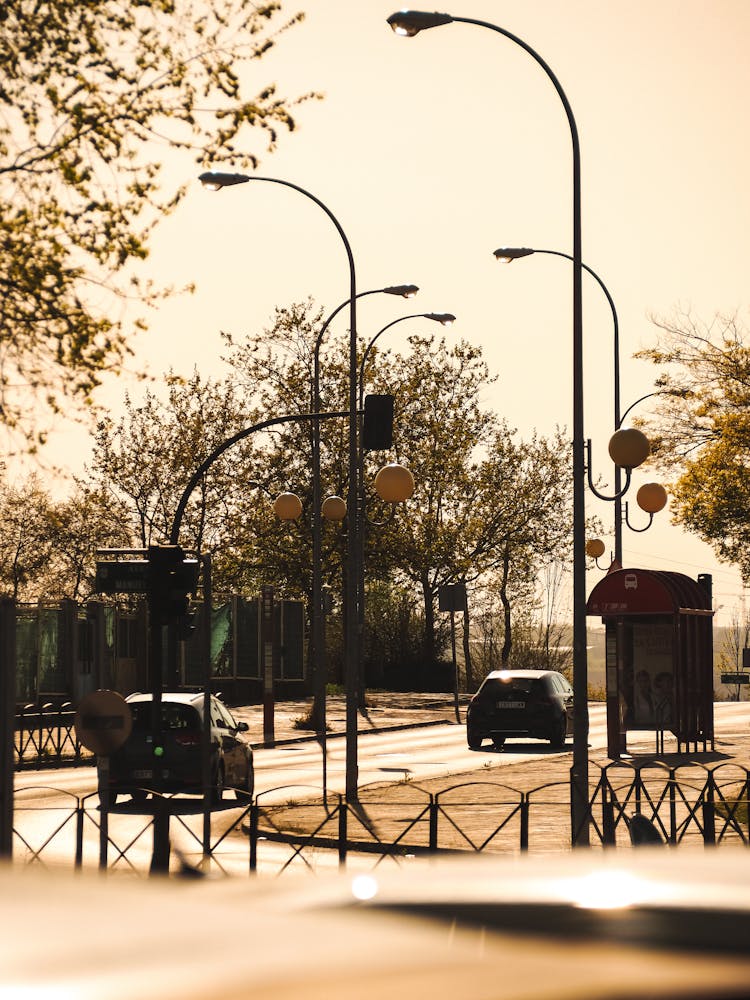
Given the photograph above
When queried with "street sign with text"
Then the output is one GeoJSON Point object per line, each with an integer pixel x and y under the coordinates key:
{"type": "Point", "coordinates": [122, 576]}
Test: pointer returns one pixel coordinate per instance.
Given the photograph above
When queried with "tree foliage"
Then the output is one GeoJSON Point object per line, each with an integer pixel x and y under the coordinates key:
{"type": "Point", "coordinates": [93, 95]}
{"type": "Point", "coordinates": [701, 430]}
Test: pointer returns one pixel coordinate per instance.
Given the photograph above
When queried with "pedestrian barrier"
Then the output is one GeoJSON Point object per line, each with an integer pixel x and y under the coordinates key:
{"type": "Point", "coordinates": [295, 828]}
{"type": "Point", "coordinates": [45, 737]}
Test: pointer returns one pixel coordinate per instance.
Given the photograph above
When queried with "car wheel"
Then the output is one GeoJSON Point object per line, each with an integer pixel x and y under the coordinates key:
{"type": "Point", "coordinates": [498, 742]}
{"type": "Point", "coordinates": [217, 792]}
{"type": "Point", "coordinates": [474, 739]}
{"type": "Point", "coordinates": [559, 734]}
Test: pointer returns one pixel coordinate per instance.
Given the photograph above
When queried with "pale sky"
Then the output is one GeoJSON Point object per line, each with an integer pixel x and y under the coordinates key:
{"type": "Point", "coordinates": [435, 150]}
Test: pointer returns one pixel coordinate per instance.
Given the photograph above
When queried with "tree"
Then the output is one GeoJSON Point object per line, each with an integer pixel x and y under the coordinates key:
{"type": "Point", "coordinates": [79, 525]}
{"type": "Point", "coordinates": [486, 503]}
{"type": "Point", "coordinates": [145, 460]}
{"type": "Point", "coordinates": [92, 96]}
{"type": "Point", "coordinates": [27, 543]}
{"type": "Point", "coordinates": [702, 433]}
{"type": "Point", "coordinates": [734, 640]}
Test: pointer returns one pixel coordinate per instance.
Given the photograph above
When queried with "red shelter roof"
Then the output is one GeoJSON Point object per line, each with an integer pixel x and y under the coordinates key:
{"type": "Point", "coordinates": [648, 592]}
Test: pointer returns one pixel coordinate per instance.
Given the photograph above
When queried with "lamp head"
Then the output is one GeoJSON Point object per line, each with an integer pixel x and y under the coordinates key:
{"type": "Point", "coordinates": [445, 318]}
{"type": "Point", "coordinates": [287, 506]}
{"type": "Point", "coordinates": [629, 447]}
{"type": "Point", "coordinates": [411, 22]}
{"type": "Point", "coordinates": [652, 497]}
{"type": "Point", "coordinates": [405, 291]}
{"type": "Point", "coordinates": [333, 509]}
{"type": "Point", "coordinates": [215, 180]}
{"type": "Point", "coordinates": [507, 255]}
{"type": "Point", "coordinates": [394, 483]}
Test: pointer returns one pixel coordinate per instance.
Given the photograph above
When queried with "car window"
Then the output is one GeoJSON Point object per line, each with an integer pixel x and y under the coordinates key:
{"type": "Point", "coordinates": [227, 716]}
{"type": "Point", "coordinates": [494, 687]}
{"type": "Point", "coordinates": [222, 716]}
{"type": "Point", "coordinates": [173, 716]}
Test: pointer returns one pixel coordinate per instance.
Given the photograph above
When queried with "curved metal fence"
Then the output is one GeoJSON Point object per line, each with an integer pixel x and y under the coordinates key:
{"type": "Point", "coordinates": [295, 828]}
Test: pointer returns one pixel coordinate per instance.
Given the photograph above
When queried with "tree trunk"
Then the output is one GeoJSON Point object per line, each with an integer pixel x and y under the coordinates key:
{"type": "Point", "coordinates": [507, 625]}
{"type": "Point", "coordinates": [428, 644]}
{"type": "Point", "coordinates": [468, 665]}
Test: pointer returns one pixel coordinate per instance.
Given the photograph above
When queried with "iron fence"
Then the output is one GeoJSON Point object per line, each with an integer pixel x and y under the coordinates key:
{"type": "Point", "coordinates": [44, 736]}
{"type": "Point", "coordinates": [293, 828]}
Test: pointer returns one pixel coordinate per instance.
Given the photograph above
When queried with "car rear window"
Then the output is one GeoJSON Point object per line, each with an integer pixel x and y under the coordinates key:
{"type": "Point", "coordinates": [494, 687]}
{"type": "Point", "coordinates": [173, 716]}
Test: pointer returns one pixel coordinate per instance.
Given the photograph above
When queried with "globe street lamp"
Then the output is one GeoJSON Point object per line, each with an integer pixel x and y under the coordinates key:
{"type": "Point", "coordinates": [216, 180]}
{"type": "Point", "coordinates": [507, 255]}
{"type": "Point", "coordinates": [409, 23]}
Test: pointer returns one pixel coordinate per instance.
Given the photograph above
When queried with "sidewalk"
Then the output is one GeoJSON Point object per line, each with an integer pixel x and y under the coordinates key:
{"type": "Point", "coordinates": [386, 710]}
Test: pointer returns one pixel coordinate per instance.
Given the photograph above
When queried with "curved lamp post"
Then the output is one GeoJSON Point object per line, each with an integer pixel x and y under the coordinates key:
{"type": "Point", "coordinates": [409, 23]}
{"type": "Point", "coordinates": [316, 618]}
{"type": "Point", "coordinates": [216, 180]}
{"type": "Point", "coordinates": [507, 255]}
{"type": "Point", "coordinates": [445, 319]}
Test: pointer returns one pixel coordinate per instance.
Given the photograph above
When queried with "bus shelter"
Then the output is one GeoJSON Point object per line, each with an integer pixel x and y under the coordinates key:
{"type": "Point", "coordinates": [659, 656]}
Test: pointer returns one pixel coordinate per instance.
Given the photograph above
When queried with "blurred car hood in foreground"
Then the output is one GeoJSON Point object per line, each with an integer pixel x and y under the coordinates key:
{"type": "Point", "coordinates": [640, 923]}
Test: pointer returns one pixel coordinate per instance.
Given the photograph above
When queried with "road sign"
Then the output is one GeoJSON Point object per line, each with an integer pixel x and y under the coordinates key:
{"type": "Point", "coordinates": [735, 678]}
{"type": "Point", "coordinates": [103, 722]}
{"type": "Point", "coordinates": [122, 577]}
{"type": "Point", "coordinates": [452, 597]}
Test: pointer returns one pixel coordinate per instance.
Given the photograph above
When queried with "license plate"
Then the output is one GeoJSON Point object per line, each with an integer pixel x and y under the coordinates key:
{"type": "Point", "coordinates": [142, 774]}
{"type": "Point", "coordinates": [511, 704]}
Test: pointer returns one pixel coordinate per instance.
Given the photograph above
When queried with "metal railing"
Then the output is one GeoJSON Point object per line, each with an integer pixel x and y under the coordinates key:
{"type": "Point", "coordinates": [293, 828]}
{"type": "Point", "coordinates": [45, 737]}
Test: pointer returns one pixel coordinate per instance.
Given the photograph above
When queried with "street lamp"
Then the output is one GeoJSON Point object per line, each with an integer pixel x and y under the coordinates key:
{"type": "Point", "coordinates": [445, 319]}
{"type": "Point", "coordinates": [215, 181]}
{"type": "Point", "coordinates": [410, 23]}
{"type": "Point", "coordinates": [507, 255]}
{"type": "Point", "coordinates": [406, 291]}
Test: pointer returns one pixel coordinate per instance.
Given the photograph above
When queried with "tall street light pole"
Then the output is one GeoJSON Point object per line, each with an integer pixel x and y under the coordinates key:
{"type": "Point", "coordinates": [215, 180]}
{"type": "Point", "coordinates": [508, 254]}
{"type": "Point", "coordinates": [410, 23]}
{"type": "Point", "coordinates": [445, 319]}
{"type": "Point", "coordinates": [316, 618]}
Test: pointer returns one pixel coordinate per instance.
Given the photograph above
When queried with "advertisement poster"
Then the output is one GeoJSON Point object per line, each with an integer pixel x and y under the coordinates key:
{"type": "Point", "coordinates": [652, 700]}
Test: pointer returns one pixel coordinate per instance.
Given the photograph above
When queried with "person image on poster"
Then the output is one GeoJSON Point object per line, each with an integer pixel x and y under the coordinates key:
{"type": "Point", "coordinates": [643, 700]}
{"type": "Point", "coordinates": [663, 699]}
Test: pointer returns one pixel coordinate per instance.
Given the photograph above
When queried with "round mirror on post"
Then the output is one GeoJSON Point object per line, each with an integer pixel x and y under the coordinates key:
{"type": "Point", "coordinates": [629, 447]}
{"type": "Point", "coordinates": [287, 507]}
{"type": "Point", "coordinates": [333, 509]}
{"type": "Point", "coordinates": [595, 548]}
{"type": "Point", "coordinates": [394, 483]}
{"type": "Point", "coordinates": [651, 497]}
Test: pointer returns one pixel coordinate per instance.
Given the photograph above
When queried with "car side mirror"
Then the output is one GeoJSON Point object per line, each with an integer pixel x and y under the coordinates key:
{"type": "Point", "coordinates": [243, 727]}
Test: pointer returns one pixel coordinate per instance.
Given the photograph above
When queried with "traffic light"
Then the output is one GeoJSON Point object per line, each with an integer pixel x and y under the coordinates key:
{"type": "Point", "coordinates": [171, 577]}
{"type": "Point", "coordinates": [377, 423]}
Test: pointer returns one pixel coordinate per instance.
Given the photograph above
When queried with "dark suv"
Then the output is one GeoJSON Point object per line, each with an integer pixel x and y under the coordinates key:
{"type": "Point", "coordinates": [536, 703]}
{"type": "Point", "coordinates": [131, 768]}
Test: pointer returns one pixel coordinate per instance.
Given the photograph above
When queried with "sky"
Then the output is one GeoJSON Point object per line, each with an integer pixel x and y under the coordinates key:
{"type": "Point", "coordinates": [433, 151]}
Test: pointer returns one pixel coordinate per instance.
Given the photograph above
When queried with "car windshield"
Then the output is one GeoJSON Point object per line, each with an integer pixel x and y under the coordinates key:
{"type": "Point", "coordinates": [173, 716]}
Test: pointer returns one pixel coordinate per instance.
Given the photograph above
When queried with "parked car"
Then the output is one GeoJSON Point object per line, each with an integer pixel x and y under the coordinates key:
{"type": "Point", "coordinates": [131, 768]}
{"type": "Point", "coordinates": [537, 703]}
